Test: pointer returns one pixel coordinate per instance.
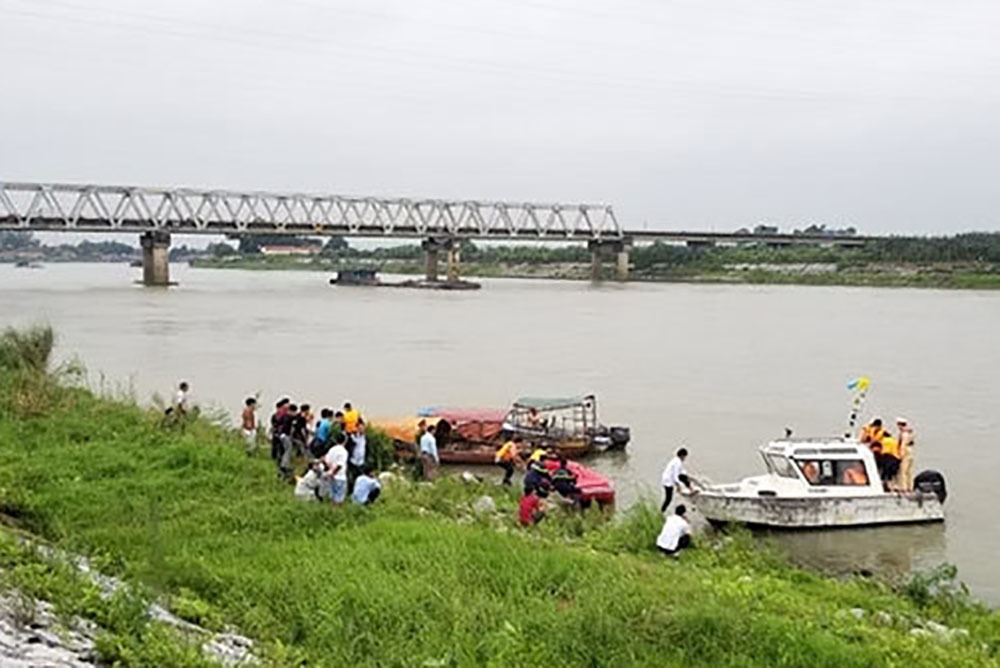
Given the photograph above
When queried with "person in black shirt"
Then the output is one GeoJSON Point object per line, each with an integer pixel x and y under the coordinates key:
{"type": "Point", "coordinates": [564, 481]}
{"type": "Point", "coordinates": [280, 410]}
{"type": "Point", "coordinates": [299, 431]}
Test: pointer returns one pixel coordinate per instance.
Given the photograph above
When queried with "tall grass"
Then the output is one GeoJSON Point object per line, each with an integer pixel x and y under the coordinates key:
{"type": "Point", "coordinates": [26, 350]}
{"type": "Point", "coordinates": [420, 578]}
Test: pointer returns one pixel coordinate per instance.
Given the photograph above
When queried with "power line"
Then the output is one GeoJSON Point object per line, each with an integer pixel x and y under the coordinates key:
{"type": "Point", "coordinates": [397, 56]}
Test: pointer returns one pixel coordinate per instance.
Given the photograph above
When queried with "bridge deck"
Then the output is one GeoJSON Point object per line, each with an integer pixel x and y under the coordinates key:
{"type": "Point", "coordinates": [92, 208]}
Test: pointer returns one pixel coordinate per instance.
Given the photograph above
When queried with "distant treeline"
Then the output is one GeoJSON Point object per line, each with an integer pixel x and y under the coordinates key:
{"type": "Point", "coordinates": [978, 247]}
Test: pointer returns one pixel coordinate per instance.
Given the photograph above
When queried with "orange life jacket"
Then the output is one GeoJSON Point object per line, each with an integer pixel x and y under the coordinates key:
{"type": "Point", "coordinates": [855, 476]}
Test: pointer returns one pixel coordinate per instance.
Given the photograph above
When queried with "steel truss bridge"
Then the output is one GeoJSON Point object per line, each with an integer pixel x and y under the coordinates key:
{"type": "Point", "coordinates": [94, 208]}
{"type": "Point", "coordinates": [57, 207]}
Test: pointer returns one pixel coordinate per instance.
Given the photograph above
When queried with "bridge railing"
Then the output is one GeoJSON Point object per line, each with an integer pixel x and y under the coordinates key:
{"type": "Point", "coordinates": [90, 208]}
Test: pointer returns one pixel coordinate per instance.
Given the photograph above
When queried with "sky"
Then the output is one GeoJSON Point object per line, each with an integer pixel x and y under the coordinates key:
{"type": "Point", "coordinates": [682, 114]}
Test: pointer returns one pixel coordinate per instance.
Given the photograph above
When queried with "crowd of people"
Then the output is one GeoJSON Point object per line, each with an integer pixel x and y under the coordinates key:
{"type": "Point", "coordinates": [334, 447]}
{"type": "Point", "coordinates": [894, 454]}
{"type": "Point", "coordinates": [545, 473]}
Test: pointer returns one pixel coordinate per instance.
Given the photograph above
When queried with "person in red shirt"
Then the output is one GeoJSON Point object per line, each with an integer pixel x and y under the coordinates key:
{"type": "Point", "coordinates": [532, 508]}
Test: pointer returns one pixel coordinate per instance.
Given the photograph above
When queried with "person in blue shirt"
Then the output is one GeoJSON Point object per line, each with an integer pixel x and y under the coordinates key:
{"type": "Point", "coordinates": [429, 453]}
{"type": "Point", "coordinates": [366, 488]}
{"type": "Point", "coordinates": [324, 431]}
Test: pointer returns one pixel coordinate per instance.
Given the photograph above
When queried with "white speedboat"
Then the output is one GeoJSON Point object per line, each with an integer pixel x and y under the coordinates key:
{"type": "Point", "coordinates": [815, 482]}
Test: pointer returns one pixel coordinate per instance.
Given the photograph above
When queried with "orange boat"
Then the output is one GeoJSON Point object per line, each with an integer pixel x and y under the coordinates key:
{"type": "Point", "coordinates": [472, 435]}
{"type": "Point", "coordinates": [465, 436]}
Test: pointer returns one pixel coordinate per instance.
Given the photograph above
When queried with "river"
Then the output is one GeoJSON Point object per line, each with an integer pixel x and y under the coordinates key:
{"type": "Point", "coordinates": [717, 368]}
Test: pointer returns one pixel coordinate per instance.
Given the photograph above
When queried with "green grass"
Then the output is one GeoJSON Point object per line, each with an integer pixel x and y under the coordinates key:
{"type": "Point", "coordinates": [419, 580]}
{"type": "Point", "coordinates": [127, 635]}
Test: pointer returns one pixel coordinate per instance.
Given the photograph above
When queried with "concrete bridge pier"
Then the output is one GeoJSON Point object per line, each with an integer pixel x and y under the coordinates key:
{"type": "Point", "coordinates": [621, 248]}
{"type": "Point", "coordinates": [622, 264]}
{"type": "Point", "coordinates": [432, 246]}
{"type": "Point", "coordinates": [155, 258]}
{"type": "Point", "coordinates": [454, 260]}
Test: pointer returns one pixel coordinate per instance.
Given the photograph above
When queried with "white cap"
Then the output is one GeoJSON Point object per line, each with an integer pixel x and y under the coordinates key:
{"type": "Point", "coordinates": [902, 420]}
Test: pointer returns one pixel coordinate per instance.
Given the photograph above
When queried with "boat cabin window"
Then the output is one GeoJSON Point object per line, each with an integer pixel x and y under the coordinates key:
{"type": "Point", "coordinates": [833, 471]}
{"type": "Point", "coordinates": [780, 465]}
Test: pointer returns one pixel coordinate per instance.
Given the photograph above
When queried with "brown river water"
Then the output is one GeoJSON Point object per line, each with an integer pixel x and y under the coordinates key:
{"type": "Point", "coordinates": [720, 369]}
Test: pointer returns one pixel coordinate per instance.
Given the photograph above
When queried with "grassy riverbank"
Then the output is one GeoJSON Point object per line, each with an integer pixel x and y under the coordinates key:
{"type": "Point", "coordinates": [421, 579]}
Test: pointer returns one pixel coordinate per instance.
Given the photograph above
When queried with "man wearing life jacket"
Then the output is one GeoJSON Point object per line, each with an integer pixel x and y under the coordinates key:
{"type": "Point", "coordinates": [564, 481]}
{"type": "Point", "coordinates": [537, 475]}
{"type": "Point", "coordinates": [872, 433]}
{"type": "Point", "coordinates": [889, 464]}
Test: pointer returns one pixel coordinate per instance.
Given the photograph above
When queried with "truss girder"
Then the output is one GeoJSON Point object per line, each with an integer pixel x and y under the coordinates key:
{"type": "Point", "coordinates": [42, 206]}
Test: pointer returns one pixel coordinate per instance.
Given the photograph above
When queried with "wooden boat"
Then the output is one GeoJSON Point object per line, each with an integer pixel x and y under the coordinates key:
{"type": "Point", "coordinates": [815, 483]}
{"type": "Point", "coordinates": [465, 436]}
{"type": "Point", "coordinates": [568, 425]}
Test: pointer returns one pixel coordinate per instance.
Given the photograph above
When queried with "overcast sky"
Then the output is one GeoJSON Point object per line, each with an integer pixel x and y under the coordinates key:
{"type": "Point", "coordinates": [683, 114]}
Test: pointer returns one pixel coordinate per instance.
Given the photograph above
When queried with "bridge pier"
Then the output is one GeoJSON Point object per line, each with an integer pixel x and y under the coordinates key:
{"type": "Point", "coordinates": [454, 259]}
{"type": "Point", "coordinates": [599, 248]}
{"type": "Point", "coordinates": [155, 258]}
{"type": "Point", "coordinates": [432, 246]}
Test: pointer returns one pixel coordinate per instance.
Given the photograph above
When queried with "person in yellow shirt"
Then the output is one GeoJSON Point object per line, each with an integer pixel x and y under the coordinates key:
{"type": "Point", "coordinates": [351, 418]}
{"type": "Point", "coordinates": [889, 461]}
{"type": "Point", "coordinates": [507, 457]}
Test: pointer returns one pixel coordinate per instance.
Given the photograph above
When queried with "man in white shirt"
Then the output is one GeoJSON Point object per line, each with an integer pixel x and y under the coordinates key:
{"type": "Point", "coordinates": [358, 453]}
{"type": "Point", "coordinates": [676, 533]}
{"type": "Point", "coordinates": [336, 464]}
{"type": "Point", "coordinates": [673, 476]}
{"type": "Point", "coordinates": [311, 485]}
{"type": "Point", "coordinates": [181, 399]}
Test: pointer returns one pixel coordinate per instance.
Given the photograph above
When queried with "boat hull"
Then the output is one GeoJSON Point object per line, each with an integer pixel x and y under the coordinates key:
{"type": "Point", "coordinates": [477, 453]}
{"type": "Point", "coordinates": [812, 513]}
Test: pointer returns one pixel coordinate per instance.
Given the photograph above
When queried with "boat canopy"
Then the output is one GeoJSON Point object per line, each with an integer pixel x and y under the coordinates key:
{"type": "Point", "coordinates": [552, 403]}
{"type": "Point", "coordinates": [463, 414]}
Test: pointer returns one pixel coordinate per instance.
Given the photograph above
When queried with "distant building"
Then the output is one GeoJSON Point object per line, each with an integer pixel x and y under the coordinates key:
{"type": "Point", "coordinates": [290, 250]}
{"type": "Point", "coordinates": [765, 229]}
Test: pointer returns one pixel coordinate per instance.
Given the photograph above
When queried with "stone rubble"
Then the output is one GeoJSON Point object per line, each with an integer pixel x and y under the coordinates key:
{"type": "Point", "coordinates": [31, 636]}
{"type": "Point", "coordinates": [227, 647]}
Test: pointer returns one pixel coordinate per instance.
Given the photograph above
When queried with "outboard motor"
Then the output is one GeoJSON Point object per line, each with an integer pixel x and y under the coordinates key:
{"type": "Point", "coordinates": [931, 482]}
{"type": "Point", "coordinates": [620, 436]}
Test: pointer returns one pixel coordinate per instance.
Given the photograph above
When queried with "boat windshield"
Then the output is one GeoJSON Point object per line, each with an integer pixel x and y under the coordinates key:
{"type": "Point", "coordinates": [780, 465]}
{"type": "Point", "coordinates": [833, 471]}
